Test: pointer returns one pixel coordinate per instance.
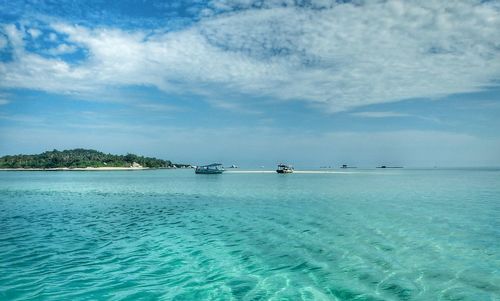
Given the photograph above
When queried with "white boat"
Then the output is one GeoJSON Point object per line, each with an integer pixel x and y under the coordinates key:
{"type": "Point", "coordinates": [284, 168]}
{"type": "Point", "coordinates": [215, 168]}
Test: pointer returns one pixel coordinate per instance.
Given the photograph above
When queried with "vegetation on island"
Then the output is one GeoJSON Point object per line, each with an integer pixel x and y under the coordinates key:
{"type": "Point", "coordinates": [81, 158]}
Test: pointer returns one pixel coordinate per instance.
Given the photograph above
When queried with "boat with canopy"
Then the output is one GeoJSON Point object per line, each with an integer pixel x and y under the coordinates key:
{"type": "Point", "coordinates": [215, 168]}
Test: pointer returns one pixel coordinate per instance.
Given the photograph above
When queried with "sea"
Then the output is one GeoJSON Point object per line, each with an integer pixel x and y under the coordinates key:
{"type": "Point", "coordinates": [354, 234]}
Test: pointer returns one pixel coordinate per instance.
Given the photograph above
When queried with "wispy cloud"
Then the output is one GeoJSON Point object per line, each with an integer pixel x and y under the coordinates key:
{"type": "Point", "coordinates": [24, 119]}
{"type": "Point", "coordinates": [232, 106]}
{"type": "Point", "coordinates": [3, 42]}
{"type": "Point", "coordinates": [379, 114]}
{"type": "Point", "coordinates": [157, 107]}
{"type": "Point", "coordinates": [338, 56]}
{"type": "Point", "coordinates": [35, 33]}
{"type": "Point", "coordinates": [4, 99]}
{"type": "Point", "coordinates": [62, 49]}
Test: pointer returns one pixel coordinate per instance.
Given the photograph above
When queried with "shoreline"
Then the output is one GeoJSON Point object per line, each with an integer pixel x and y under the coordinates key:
{"type": "Point", "coordinates": [76, 169]}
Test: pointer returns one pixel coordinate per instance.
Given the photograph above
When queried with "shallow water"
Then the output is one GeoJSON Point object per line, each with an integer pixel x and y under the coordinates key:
{"type": "Point", "coordinates": [174, 235]}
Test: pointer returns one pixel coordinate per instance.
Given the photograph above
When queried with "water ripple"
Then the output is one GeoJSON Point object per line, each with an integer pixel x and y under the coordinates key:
{"type": "Point", "coordinates": [318, 237]}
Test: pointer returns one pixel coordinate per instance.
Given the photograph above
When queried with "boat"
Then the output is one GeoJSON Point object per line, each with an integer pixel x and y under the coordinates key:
{"type": "Point", "coordinates": [284, 168]}
{"type": "Point", "coordinates": [385, 166]}
{"type": "Point", "coordinates": [215, 168]}
{"type": "Point", "coordinates": [347, 166]}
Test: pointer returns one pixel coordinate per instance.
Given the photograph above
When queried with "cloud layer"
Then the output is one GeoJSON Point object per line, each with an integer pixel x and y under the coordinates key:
{"type": "Point", "coordinates": [337, 56]}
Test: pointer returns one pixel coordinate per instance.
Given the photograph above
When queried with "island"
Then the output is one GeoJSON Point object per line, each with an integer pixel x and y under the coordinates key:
{"type": "Point", "coordinates": [83, 159]}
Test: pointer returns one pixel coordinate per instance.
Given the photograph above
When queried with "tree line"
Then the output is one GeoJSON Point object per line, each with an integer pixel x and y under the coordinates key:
{"type": "Point", "coordinates": [80, 158]}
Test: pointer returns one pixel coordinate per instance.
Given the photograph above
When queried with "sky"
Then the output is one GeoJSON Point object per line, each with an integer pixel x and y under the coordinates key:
{"type": "Point", "coordinates": [254, 82]}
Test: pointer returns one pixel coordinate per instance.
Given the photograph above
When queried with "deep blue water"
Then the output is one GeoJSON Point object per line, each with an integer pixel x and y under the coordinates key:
{"type": "Point", "coordinates": [174, 235]}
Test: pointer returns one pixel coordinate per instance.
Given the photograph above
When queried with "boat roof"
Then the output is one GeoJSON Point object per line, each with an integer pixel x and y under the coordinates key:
{"type": "Point", "coordinates": [211, 165]}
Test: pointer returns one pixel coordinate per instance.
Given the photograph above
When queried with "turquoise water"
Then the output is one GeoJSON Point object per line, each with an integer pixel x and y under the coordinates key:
{"type": "Point", "coordinates": [174, 235]}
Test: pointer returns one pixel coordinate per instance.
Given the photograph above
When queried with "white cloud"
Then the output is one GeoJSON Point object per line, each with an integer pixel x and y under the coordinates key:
{"type": "Point", "coordinates": [14, 35]}
{"type": "Point", "coordinates": [62, 49]}
{"type": "Point", "coordinates": [35, 33]}
{"type": "Point", "coordinates": [341, 56]}
{"type": "Point", "coordinates": [3, 42]}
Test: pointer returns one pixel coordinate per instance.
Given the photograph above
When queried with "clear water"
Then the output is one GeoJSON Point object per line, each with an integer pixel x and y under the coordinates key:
{"type": "Point", "coordinates": [174, 235]}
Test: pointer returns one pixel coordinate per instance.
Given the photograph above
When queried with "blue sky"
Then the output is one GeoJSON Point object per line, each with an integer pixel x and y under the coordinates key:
{"type": "Point", "coordinates": [314, 83]}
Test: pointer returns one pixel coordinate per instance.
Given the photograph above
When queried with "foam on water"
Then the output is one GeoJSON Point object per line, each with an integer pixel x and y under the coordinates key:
{"type": "Point", "coordinates": [173, 235]}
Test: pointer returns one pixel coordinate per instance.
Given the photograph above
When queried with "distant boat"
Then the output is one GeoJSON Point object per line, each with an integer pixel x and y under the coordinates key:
{"type": "Point", "coordinates": [284, 168]}
{"type": "Point", "coordinates": [385, 166]}
{"type": "Point", "coordinates": [215, 168]}
{"type": "Point", "coordinates": [233, 166]}
{"type": "Point", "coordinates": [347, 166]}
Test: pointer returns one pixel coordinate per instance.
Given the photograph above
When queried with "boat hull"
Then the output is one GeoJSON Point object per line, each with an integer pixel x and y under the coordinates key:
{"type": "Point", "coordinates": [284, 171]}
{"type": "Point", "coordinates": [209, 172]}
